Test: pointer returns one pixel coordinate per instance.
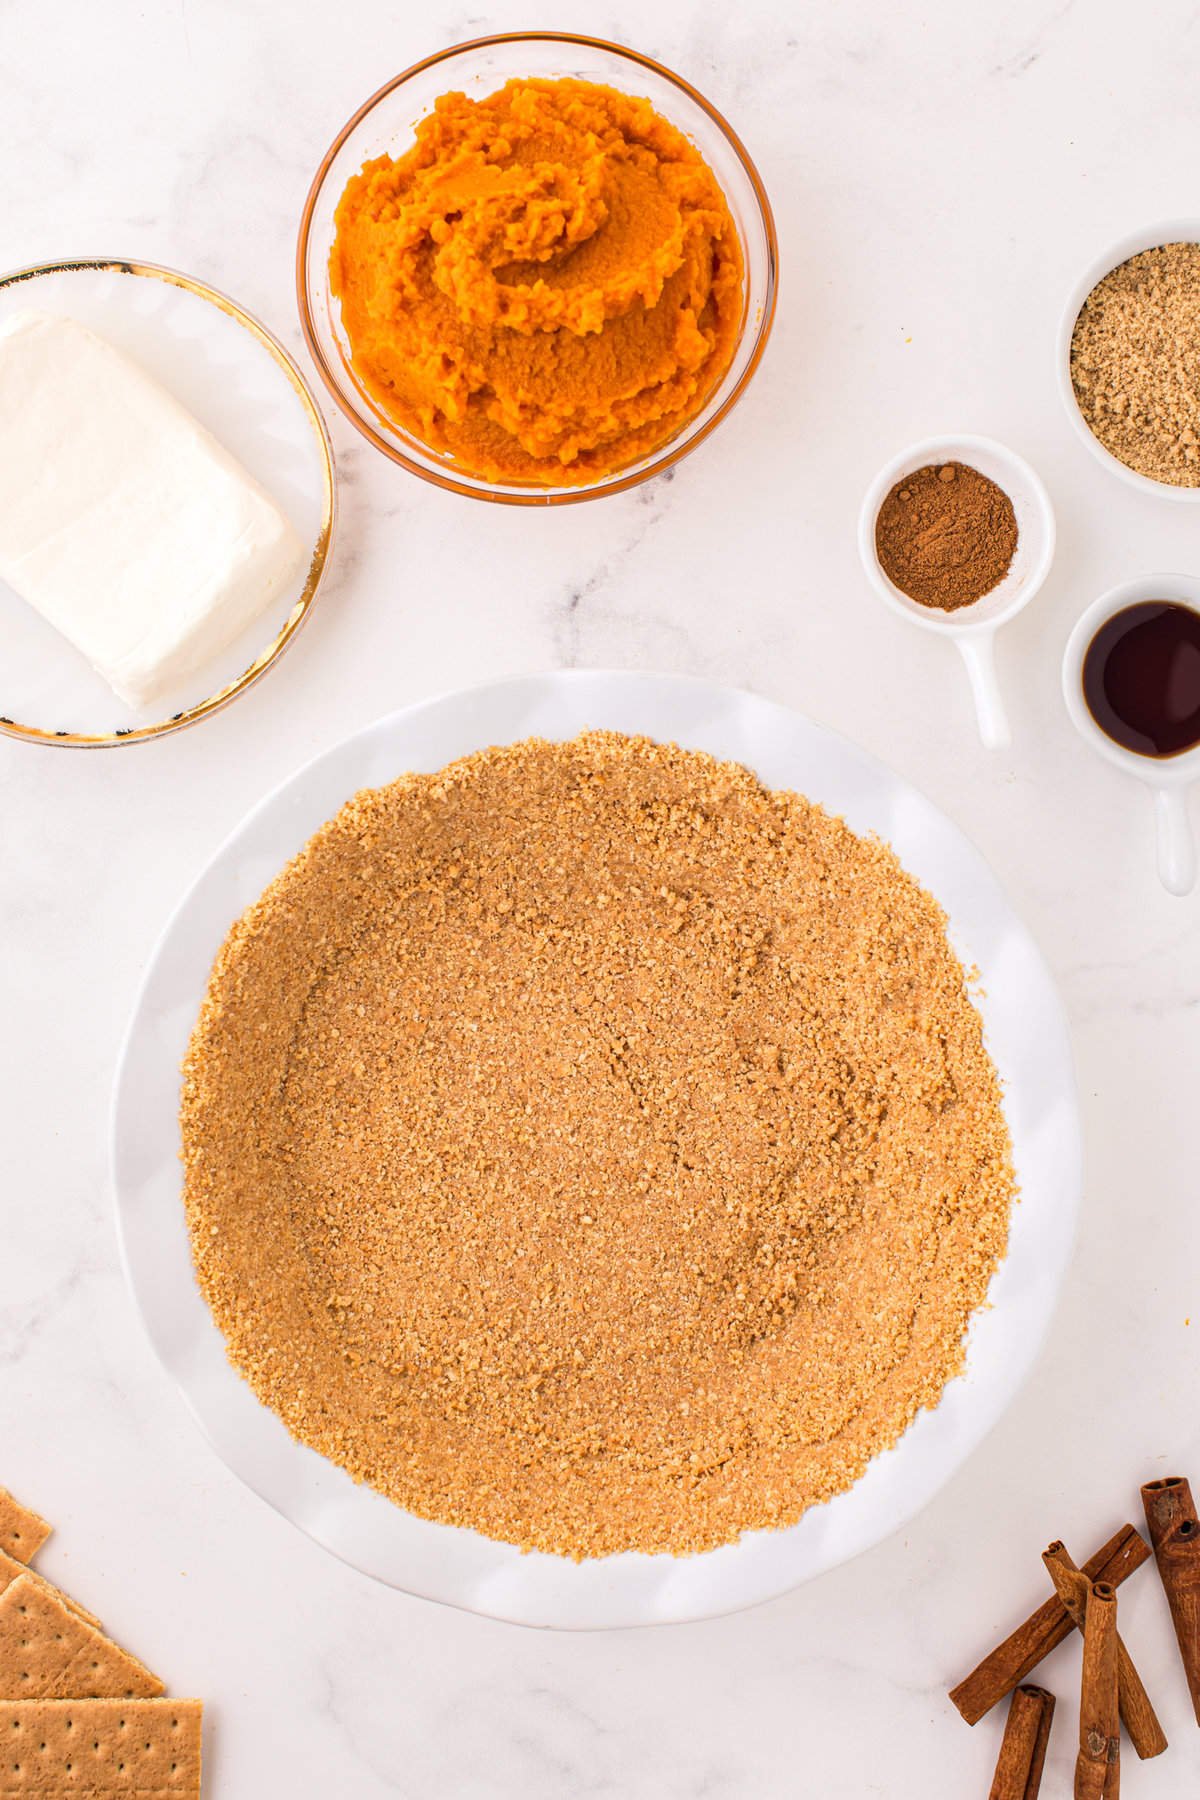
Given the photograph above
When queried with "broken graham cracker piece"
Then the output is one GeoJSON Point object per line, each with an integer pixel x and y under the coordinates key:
{"type": "Point", "coordinates": [22, 1532]}
{"type": "Point", "coordinates": [11, 1570]}
{"type": "Point", "coordinates": [47, 1651]}
{"type": "Point", "coordinates": [150, 1748]}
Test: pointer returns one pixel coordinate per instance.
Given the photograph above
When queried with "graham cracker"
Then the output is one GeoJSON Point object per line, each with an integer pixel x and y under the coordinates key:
{"type": "Point", "coordinates": [47, 1651]}
{"type": "Point", "coordinates": [22, 1532]}
{"type": "Point", "coordinates": [150, 1748]}
{"type": "Point", "coordinates": [11, 1570]}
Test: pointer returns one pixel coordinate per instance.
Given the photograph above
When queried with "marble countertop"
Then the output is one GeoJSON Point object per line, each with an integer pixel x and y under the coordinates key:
{"type": "Point", "coordinates": [940, 175]}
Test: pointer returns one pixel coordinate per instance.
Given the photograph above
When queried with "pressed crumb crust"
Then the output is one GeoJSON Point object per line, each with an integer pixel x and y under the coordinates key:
{"type": "Point", "coordinates": [588, 1146]}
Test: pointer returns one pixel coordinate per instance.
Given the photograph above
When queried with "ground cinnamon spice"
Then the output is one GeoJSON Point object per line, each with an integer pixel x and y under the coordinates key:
{"type": "Point", "coordinates": [946, 535]}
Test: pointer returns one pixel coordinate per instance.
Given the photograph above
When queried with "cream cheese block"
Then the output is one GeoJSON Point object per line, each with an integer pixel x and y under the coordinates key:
{"type": "Point", "coordinates": [123, 521]}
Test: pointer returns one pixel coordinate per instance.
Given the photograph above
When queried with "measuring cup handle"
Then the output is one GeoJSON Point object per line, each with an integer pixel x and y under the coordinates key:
{"type": "Point", "coordinates": [979, 654]}
{"type": "Point", "coordinates": [1176, 844]}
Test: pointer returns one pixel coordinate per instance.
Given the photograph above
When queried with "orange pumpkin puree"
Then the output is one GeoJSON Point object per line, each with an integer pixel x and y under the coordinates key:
{"type": "Point", "coordinates": [547, 286]}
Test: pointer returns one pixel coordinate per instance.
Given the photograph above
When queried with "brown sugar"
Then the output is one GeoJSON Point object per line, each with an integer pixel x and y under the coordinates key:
{"type": "Point", "coordinates": [591, 1147]}
{"type": "Point", "coordinates": [946, 535]}
{"type": "Point", "coordinates": [1135, 363]}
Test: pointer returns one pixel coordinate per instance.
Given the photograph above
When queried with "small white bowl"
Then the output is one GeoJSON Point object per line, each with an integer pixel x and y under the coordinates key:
{"type": "Point", "coordinates": [1173, 231]}
{"type": "Point", "coordinates": [1168, 777]}
{"type": "Point", "coordinates": [971, 628]}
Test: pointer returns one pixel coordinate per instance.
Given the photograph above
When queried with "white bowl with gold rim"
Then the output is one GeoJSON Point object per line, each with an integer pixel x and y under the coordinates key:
{"type": "Point", "coordinates": [236, 378]}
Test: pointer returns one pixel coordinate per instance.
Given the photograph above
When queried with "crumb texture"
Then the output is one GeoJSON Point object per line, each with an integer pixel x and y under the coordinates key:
{"type": "Point", "coordinates": [1135, 363]}
{"type": "Point", "coordinates": [588, 1146]}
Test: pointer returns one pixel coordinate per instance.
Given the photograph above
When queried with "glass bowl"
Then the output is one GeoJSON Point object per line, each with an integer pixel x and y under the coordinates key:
{"type": "Point", "coordinates": [385, 125]}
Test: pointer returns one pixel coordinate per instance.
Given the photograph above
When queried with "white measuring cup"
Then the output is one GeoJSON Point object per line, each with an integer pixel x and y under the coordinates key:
{"type": "Point", "coordinates": [1167, 777]}
{"type": "Point", "coordinates": [971, 629]}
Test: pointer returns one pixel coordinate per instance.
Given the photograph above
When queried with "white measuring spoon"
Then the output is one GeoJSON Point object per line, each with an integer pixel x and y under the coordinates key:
{"type": "Point", "coordinates": [972, 629]}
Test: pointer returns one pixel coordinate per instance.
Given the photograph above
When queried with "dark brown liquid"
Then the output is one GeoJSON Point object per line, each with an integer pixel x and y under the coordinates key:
{"type": "Point", "coordinates": [1141, 678]}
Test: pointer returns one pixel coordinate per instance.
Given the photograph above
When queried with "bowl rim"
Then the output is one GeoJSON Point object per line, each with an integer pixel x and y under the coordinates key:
{"type": "Point", "coordinates": [675, 450]}
{"type": "Point", "coordinates": [270, 654]}
{"type": "Point", "coordinates": [943, 447]}
{"type": "Point", "coordinates": [1180, 230]}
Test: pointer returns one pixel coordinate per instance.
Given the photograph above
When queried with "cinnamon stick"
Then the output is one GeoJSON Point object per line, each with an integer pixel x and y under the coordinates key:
{"type": "Point", "coordinates": [1175, 1534]}
{"type": "Point", "coordinates": [1137, 1715]}
{"type": "Point", "coordinates": [1098, 1765]}
{"type": "Point", "coordinates": [1010, 1662]}
{"type": "Point", "coordinates": [1023, 1751]}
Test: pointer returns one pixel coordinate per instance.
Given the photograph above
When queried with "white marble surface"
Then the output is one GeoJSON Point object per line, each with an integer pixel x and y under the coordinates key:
{"type": "Point", "coordinates": [939, 175]}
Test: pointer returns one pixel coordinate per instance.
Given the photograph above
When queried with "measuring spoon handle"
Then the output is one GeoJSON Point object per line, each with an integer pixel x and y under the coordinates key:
{"type": "Point", "coordinates": [1176, 842]}
{"type": "Point", "coordinates": [979, 653]}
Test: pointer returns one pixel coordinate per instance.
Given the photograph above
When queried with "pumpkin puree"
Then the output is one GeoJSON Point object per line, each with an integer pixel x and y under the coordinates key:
{"type": "Point", "coordinates": [547, 286]}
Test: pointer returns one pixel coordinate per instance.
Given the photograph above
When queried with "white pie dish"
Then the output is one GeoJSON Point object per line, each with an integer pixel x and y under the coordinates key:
{"type": "Point", "coordinates": [1026, 1034]}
